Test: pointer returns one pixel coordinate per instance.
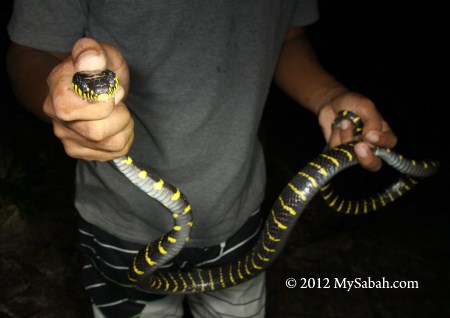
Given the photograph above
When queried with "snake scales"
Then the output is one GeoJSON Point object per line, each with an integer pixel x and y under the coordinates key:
{"type": "Point", "coordinates": [313, 178]}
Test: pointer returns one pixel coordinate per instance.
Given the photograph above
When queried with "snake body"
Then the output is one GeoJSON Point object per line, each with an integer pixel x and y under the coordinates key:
{"type": "Point", "coordinates": [145, 270]}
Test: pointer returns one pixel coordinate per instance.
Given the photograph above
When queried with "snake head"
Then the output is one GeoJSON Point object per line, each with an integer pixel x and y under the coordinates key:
{"type": "Point", "coordinates": [95, 86]}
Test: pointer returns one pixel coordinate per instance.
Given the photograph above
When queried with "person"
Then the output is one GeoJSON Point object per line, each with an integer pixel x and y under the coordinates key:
{"type": "Point", "coordinates": [194, 77]}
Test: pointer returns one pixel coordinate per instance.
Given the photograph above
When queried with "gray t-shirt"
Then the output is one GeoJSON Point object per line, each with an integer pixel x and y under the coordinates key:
{"type": "Point", "coordinates": [200, 73]}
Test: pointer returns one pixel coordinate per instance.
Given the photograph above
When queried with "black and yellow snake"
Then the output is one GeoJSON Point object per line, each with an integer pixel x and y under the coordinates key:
{"type": "Point", "coordinates": [314, 177]}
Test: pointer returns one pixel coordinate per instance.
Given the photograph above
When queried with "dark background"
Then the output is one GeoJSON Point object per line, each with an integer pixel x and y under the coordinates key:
{"type": "Point", "coordinates": [397, 55]}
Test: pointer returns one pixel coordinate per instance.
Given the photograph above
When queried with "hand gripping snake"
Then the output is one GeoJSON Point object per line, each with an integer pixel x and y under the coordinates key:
{"type": "Point", "coordinates": [144, 272]}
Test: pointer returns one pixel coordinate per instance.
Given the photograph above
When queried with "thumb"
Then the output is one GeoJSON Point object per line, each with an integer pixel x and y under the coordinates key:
{"type": "Point", "coordinates": [88, 55]}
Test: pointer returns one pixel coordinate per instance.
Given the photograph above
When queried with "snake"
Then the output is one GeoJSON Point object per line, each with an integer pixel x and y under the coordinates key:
{"type": "Point", "coordinates": [145, 271]}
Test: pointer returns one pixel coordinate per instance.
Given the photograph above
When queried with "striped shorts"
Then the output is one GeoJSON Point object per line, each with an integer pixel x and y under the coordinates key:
{"type": "Point", "coordinates": [112, 295]}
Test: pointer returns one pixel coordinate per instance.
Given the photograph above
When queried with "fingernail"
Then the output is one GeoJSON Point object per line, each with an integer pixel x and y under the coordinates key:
{"type": "Point", "coordinates": [344, 124]}
{"type": "Point", "coordinates": [372, 137]}
{"type": "Point", "coordinates": [362, 152]}
{"type": "Point", "coordinates": [119, 95]}
{"type": "Point", "coordinates": [89, 60]}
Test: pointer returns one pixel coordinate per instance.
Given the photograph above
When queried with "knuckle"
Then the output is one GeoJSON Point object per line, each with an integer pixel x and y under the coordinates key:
{"type": "Point", "coordinates": [47, 107]}
{"type": "Point", "coordinates": [129, 143]}
{"type": "Point", "coordinates": [93, 133]}
{"type": "Point", "coordinates": [371, 164]}
{"type": "Point", "coordinates": [121, 141]}
{"type": "Point", "coordinates": [53, 76]}
{"type": "Point", "coordinates": [60, 102]}
{"type": "Point", "coordinates": [118, 143]}
{"type": "Point", "coordinates": [61, 109]}
{"type": "Point", "coordinates": [70, 150]}
{"type": "Point", "coordinates": [375, 166]}
{"type": "Point", "coordinates": [59, 131]}
{"type": "Point", "coordinates": [364, 99]}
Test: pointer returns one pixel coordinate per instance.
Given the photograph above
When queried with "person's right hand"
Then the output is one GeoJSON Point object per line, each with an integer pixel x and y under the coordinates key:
{"type": "Point", "coordinates": [90, 131]}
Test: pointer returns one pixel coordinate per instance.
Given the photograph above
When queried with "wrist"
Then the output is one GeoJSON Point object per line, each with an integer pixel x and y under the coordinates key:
{"type": "Point", "coordinates": [324, 95]}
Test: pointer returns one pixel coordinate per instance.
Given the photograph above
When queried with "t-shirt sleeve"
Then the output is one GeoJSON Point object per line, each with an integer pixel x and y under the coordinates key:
{"type": "Point", "coordinates": [306, 12]}
{"type": "Point", "coordinates": [50, 25]}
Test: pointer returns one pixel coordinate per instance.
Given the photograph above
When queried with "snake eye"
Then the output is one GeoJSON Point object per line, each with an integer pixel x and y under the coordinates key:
{"type": "Point", "coordinates": [84, 86]}
{"type": "Point", "coordinates": [112, 82]}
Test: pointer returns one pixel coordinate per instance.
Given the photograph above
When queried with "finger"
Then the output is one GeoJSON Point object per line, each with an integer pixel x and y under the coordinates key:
{"type": "Point", "coordinates": [69, 106]}
{"type": "Point", "coordinates": [364, 108]}
{"type": "Point", "coordinates": [376, 130]}
{"type": "Point", "coordinates": [77, 151]}
{"type": "Point", "coordinates": [326, 118]}
{"type": "Point", "coordinates": [118, 143]}
{"type": "Point", "coordinates": [370, 117]}
{"type": "Point", "coordinates": [346, 131]}
{"type": "Point", "coordinates": [105, 135]}
{"type": "Point", "coordinates": [99, 130]}
{"type": "Point", "coordinates": [62, 103]}
{"type": "Point", "coordinates": [66, 105]}
{"type": "Point", "coordinates": [342, 133]}
{"type": "Point", "coordinates": [385, 138]}
{"type": "Point", "coordinates": [366, 157]}
{"type": "Point", "coordinates": [90, 55]}
{"type": "Point", "coordinates": [119, 96]}
{"type": "Point", "coordinates": [59, 82]}
{"type": "Point", "coordinates": [335, 138]}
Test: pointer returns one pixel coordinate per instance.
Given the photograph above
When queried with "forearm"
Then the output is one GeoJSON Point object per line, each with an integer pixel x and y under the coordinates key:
{"type": "Point", "coordinates": [300, 75]}
{"type": "Point", "coordinates": [28, 71]}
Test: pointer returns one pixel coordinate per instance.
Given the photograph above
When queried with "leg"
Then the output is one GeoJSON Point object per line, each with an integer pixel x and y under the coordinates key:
{"type": "Point", "coordinates": [106, 283]}
{"type": "Point", "coordinates": [113, 295]}
{"type": "Point", "coordinates": [245, 300]}
{"type": "Point", "coordinates": [170, 306]}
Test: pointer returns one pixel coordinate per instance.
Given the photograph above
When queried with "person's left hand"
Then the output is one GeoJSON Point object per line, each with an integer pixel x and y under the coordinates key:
{"type": "Point", "coordinates": [376, 131]}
